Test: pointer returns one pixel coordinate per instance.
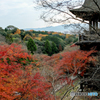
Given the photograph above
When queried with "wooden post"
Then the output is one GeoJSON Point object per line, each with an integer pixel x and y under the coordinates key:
{"type": "Point", "coordinates": [90, 24]}
{"type": "Point", "coordinates": [82, 36]}
{"type": "Point", "coordinates": [79, 38]}
{"type": "Point", "coordinates": [88, 37]}
{"type": "Point", "coordinates": [96, 24]}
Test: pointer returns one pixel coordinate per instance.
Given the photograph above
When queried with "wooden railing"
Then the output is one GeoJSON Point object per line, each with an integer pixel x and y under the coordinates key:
{"type": "Point", "coordinates": [89, 38]}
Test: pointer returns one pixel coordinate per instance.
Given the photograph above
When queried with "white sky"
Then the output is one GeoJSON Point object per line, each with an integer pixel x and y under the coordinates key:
{"type": "Point", "coordinates": [20, 13]}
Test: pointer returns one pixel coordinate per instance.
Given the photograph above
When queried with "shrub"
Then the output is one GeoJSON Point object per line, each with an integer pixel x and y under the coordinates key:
{"type": "Point", "coordinates": [31, 46]}
{"type": "Point", "coordinates": [16, 36]}
{"type": "Point", "coordinates": [48, 49]}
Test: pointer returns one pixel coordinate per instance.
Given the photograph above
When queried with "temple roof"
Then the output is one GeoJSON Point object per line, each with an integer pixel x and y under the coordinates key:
{"type": "Point", "coordinates": [88, 8]}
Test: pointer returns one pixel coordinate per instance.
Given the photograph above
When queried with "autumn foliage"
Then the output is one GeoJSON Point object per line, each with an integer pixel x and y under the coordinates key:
{"type": "Point", "coordinates": [17, 31]}
{"type": "Point", "coordinates": [17, 80]}
{"type": "Point", "coordinates": [20, 79]}
{"type": "Point", "coordinates": [75, 63]}
{"type": "Point", "coordinates": [69, 63]}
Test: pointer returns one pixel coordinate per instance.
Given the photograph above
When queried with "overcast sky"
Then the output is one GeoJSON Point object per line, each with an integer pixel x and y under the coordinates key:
{"type": "Point", "coordinates": [20, 13]}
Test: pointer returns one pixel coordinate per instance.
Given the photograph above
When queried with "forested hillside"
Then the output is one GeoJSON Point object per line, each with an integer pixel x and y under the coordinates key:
{"type": "Point", "coordinates": [56, 40]}
{"type": "Point", "coordinates": [37, 65]}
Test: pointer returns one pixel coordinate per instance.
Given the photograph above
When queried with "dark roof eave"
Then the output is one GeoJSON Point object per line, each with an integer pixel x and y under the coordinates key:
{"type": "Point", "coordinates": [83, 11]}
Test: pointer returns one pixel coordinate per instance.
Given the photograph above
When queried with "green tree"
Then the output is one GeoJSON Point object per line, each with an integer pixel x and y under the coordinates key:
{"type": "Point", "coordinates": [16, 36]}
{"type": "Point", "coordinates": [22, 34]}
{"type": "Point", "coordinates": [54, 48]}
{"type": "Point", "coordinates": [11, 27]}
{"type": "Point", "coordinates": [75, 40]}
{"type": "Point", "coordinates": [48, 49]}
{"type": "Point", "coordinates": [9, 38]}
{"type": "Point", "coordinates": [13, 30]}
{"type": "Point", "coordinates": [28, 32]}
{"type": "Point", "coordinates": [31, 46]}
{"type": "Point", "coordinates": [58, 41]}
{"type": "Point", "coordinates": [2, 31]}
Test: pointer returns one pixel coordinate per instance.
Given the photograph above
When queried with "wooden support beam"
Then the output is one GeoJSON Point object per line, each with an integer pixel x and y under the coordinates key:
{"type": "Point", "coordinates": [96, 24]}
{"type": "Point", "coordinates": [90, 25]}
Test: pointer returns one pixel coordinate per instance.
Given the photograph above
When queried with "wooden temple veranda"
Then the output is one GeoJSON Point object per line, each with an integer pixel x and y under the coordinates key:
{"type": "Point", "coordinates": [90, 11]}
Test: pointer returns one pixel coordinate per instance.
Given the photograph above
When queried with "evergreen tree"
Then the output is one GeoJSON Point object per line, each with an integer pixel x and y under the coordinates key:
{"type": "Point", "coordinates": [9, 39]}
{"type": "Point", "coordinates": [48, 49]}
{"type": "Point", "coordinates": [31, 46]}
{"type": "Point", "coordinates": [54, 48]}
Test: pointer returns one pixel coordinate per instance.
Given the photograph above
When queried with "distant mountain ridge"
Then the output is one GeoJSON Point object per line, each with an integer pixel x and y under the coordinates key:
{"type": "Point", "coordinates": [60, 28]}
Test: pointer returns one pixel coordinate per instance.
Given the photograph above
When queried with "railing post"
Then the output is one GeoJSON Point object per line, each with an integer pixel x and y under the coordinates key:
{"type": "Point", "coordinates": [82, 36]}
{"type": "Point", "coordinates": [78, 37]}
{"type": "Point", "coordinates": [88, 37]}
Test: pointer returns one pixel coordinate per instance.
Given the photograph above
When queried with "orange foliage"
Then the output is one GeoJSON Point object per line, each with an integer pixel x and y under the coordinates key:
{"type": "Point", "coordinates": [75, 61]}
{"type": "Point", "coordinates": [31, 30]}
{"type": "Point", "coordinates": [17, 80]}
{"type": "Point", "coordinates": [54, 33]}
{"type": "Point", "coordinates": [18, 31]}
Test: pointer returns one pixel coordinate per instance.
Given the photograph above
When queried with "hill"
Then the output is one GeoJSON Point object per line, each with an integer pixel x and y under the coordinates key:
{"type": "Point", "coordinates": [68, 28]}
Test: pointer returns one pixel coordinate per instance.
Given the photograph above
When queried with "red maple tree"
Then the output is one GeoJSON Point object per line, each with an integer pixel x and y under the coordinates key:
{"type": "Point", "coordinates": [74, 63]}
{"type": "Point", "coordinates": [17, 79]}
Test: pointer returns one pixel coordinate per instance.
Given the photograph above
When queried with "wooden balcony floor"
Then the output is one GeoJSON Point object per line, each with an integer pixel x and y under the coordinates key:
{"type": "Point", "coordinates": [88, 38]}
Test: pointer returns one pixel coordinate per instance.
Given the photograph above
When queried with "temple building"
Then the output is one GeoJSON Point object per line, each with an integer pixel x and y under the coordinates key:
{"type": "Point", "coordinates": [90, 11]}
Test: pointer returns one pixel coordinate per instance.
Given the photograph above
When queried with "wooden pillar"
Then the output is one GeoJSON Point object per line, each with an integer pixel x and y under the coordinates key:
{"type": "Point", "coordinates": [90, 25]}
{"type": "Point", "coordinates": [96, 24]}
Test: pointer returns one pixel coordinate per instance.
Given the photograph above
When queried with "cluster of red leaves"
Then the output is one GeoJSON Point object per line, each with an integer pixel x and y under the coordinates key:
{"type": "Point", "coordinates": [13, 54]}
{"type": "Point", "coordinates": [75, 61]}
{"type": "Point", "coordinates": [50, 60]}
{"type": "Point", "coordinates": [34, 87]}
{"type": "Point", "coordinates": [17, 80]}
{"type": "Point", "coordinates": [69, 63]}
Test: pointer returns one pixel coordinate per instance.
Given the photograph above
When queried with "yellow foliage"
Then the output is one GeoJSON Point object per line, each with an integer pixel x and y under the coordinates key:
{"type": "Point", "coordinates": [33, 34]}
{"type": "Point", "coordinates": [42, 35]}
{"type": "Point", "coordinates": [67, 35]}
{"type": "Point", "coordinates": [18, 31]}
{"type": "Point", "coordinates": [61, 34]}
{"type": "Point", "coordinates": [27, 37]}
{"type": "Point", "coordinates": [38, 38]}
{"type": "Point", "coordinates": [54, 33]}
